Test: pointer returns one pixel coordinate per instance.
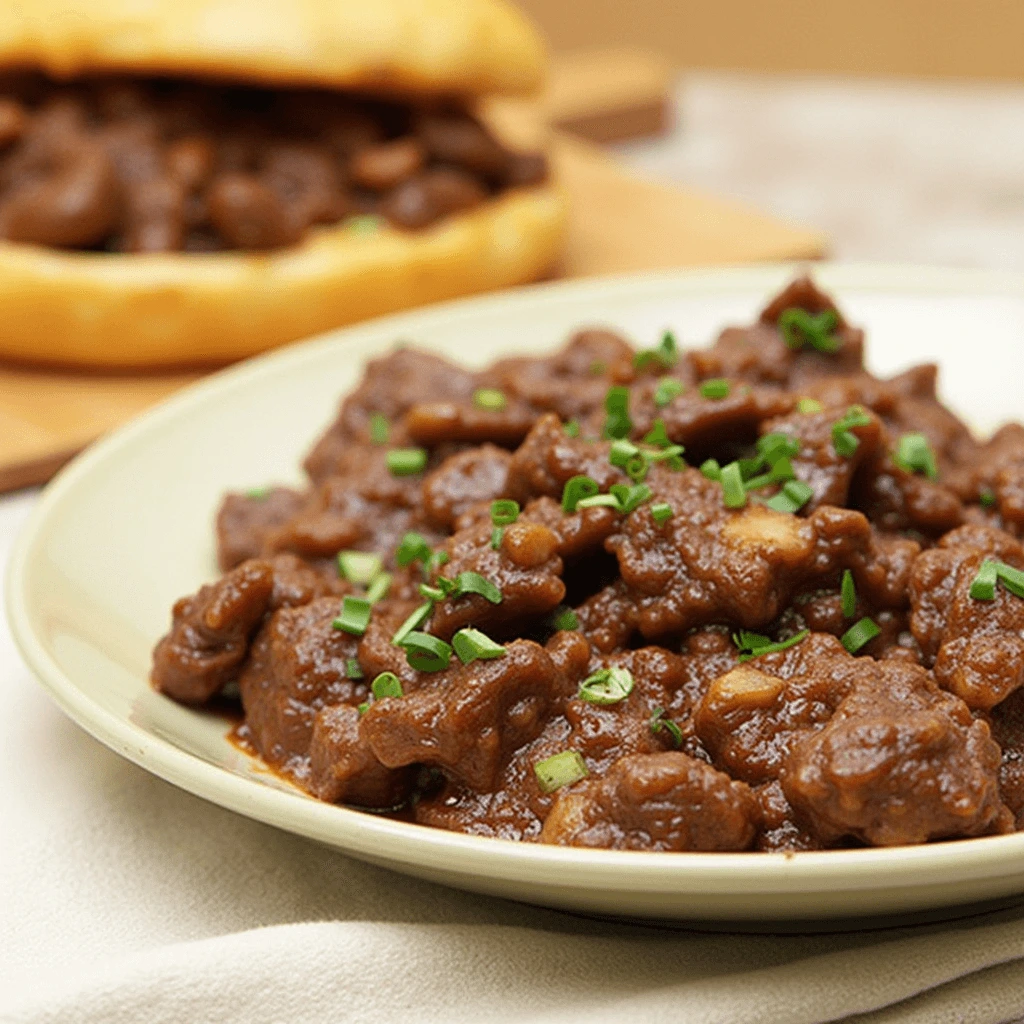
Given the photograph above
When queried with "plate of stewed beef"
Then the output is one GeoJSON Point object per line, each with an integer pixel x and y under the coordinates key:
{"type": "Point", "coordinates": [697, 595]}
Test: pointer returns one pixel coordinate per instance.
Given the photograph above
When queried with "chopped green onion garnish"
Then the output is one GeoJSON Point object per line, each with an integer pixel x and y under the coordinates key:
{"type": "Point", "coordinates": [711, 469]}
{"type": "Point", "coordinates": [793, 496]}
{"type": "Point", "coordinates": [435, 561]}
{"type": "Point", "coordinates": [716, 388]}
{"type": "Point", "coordinates": [607, 686]}
{"type": "Point", "coordinates": [660, 722]}
{"type": "Point", "coordinates": [597, 367]}
{"type": "Point", "coordinates": [844, 440]}
{"type": "Point", "coordinates": [426, 653]}
{"type": "Point", "coordinates": [734, 494]}
{"type": "Point", "coordinates": [636, 469]}
{"type": "Point", "coordinates": [630, 498]}
{"type": "Point", "coordinates": [859, 634]}
{"type": "Point", "coordinates": [661, 513]}
{"type": "Point", "coordinates": [777, 445]}
{"type": "Point", "coordinates": [915, 455]}
{"type": "Point", "coordinates": [358, 567]}
{"type": "Point", "coordinates": [621, 451]}
{"type": "Point", "coordinates": [983, 587]}
{"type": "Point", "coordinates": [600, 501]}
{"type": "Point", "coordinates": [987, 498]}
{"type": "Point", "coordinates": [379, 429]}
{"type": "Point", "coordinates": [363, 708]}
{"type": "Point", "coordinates": [560, 770]}
{"type": "Point", "coordinates": [364, 224]}
{"type": "Point", "coordinates": [473, 583]}
{"type": "Point", "coordinates": [406, 461]}
{"type": "Point", "coordinates": [809, 406]}
{"type": "Point", "coordinates": [497, 535]}
{"type": "Point", "coordinates": [471, 644]}
{"type": "Point", "coordinates": [616, 405]}
{"type": "Point", "coordinates": [432, 593]}
{"type": "Point", "coordinates": [414, 548]}
{"type": "Point", "coordinates": [353, 670]}
{"type": "Point", "coordinates": [657, 435]}
{"type": "Point", "coordinates": [387, 684]}
{"type": "Point", "coordinates": [490, 399]}
{"type": "Point", "coordinates": [670, 455]}
{"type": "Point", "coordinates": [780, 472]}
{"type": "Point", "coordinates": [355, 616]}
{"type": "Point", "coordinates": [414, 621]}
{"type": "Point", "coordinates": [668, 388]}
{"type": "Point", "coordinates": [258, 493]}
{"type": "Point", "coordinates": [571, 428]}
{"type": "Point", "coordinates": [753, 645]}
{"type": "Point", "coordinates": [799, 327]}
{"type": "Point", "coordinates": [565, 618]}
{"type": "Point", "coordinates": [665, 355]}
{"type": "Point", "coordinates": [504, 511]}
{"type": "Point", "coordinates": [848, 592]}
{"type": "Point", "coordinates": [576, 488]}
{"type": "Point", "coordinates": [379, 587]}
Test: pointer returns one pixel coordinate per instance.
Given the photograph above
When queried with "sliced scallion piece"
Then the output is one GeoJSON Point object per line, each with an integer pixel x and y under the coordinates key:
{"type": "Point", "coordinates": [354, 617]}
{"type": "Point", "coordinates": [844, 441]}
{"type": "Point", "coordinates": [607, 686]}
{"type": "Point", "coordinates": [661, 513]}
{"type": "Point", "coordinates": [379, 429]}
{"type": "Point", "coordinates": [575, 490]}
{"type": "Point", "coordinates": [616, 405]}
{"type": "Point", "coordinates": [379, 587]}
{"type": "Point", "coordinates": [668, 389]}
{"type": "Point", "coordinates": [848, 595]}
{"type": "Point", "coordinates": [711, 469]}
{"type": "Point", "coordinates": [983, 587]}
{"type": "Point", "coordinates": [753, 645]}
{"type": "Point", "coordinates": [358, 567]}
{"type": "Point", "coordinates": [560, 770]}
{"type": "Point", "coordinates": [353, 670]}
{"type": "Point", "coordinates": [809, 406]}
{"type": "Point", "coordinates": [471, 644]}
{"type": "Point", "coordinates": [665, 355]}
{"type": "Point", "coordinates": [915, 455]}
{"type": "Point", "coordinates": [406, 461]}
{"type": "Point", "coordinates": [571, 428]}
{"type": "Point", "coordinates": [413, 548]}
{"type": "Point", "coordinates": [490, 399]}
{"type": "Point", "coordinates": [716, 388]}
{"type": "Point", "coordinates": [414, 621]}
{"type": "Point", "coordinates": [733, 492]}
{"type": "Point", "coordinates": [629, 497]}
{"type": "Point", "coordinates": [426, 653]}
{"type": "Point", "coordinates": [621, 451]}
{"type": "Point", "coordinates": [799, 328]}
{"type": "Point", "coordinates": [986, 498]}
{"type": "Point", "coordinates": [504, 512]}
{"type": "Point", "coordinates": [657, 435]}
{"type": "Point", "coordinates": [470, 582]}
{"type": "Point", "coordinates": [387, 684]}
{"type": "Point", "coordinates": [859, 634]}
{"type": "Point", "coordinates": [660, 723]}
{"type": "Point", "coordinates": [793, 496]}
{"type": "Point", "coordinates": [258, 493]}
{"type": "Point", "coordinates": [565, 618]}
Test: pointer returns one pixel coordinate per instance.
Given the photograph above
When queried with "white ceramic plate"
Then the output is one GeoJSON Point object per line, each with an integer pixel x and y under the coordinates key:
{"type": "Point", "coordinates": [126, 529]}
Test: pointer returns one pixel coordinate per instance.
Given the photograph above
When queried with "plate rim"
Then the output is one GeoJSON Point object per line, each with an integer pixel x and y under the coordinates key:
{"type": "Point", "coordinates": [417, 845]}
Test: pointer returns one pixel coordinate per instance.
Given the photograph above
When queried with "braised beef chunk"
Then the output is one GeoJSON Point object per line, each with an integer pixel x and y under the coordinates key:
{"type": "Point", "coordinates": [749, 597]}
{"type": "Point", "coordinates": [144, 165]}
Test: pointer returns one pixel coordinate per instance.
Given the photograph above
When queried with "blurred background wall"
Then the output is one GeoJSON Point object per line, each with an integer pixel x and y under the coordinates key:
{"type": "Point", "coordinates": [932, 38]}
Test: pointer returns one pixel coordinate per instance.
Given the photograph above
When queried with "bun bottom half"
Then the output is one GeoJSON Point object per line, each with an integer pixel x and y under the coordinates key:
{"type": "Point", "coordinates": [187, 309]}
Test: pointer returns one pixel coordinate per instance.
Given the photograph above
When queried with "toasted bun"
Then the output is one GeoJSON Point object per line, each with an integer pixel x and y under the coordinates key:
{"type": "Point", "coordinates": [471, 47]}
{"type": "Point", "coordinates": [182, 309]}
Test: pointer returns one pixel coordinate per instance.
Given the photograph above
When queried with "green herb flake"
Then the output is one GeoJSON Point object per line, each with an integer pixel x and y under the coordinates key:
{"type": "Point", "coordinates": [661, 513]}
{"type": "Point", "coordinates": [379, 429]}
{"type": "Point", "coordinates": [987, 498]}
{"type": "Point", "coordinates": [717, 388]}
{"type": "Point", "coordinates": [607, 686]}
{"type": "Point", "coordinates": [793, 496]}
{"type": "Point", "coordinates": [406, 461]}
{"type": "Point", "coordinates": [504, 512]}
{"type": "Point", "coordinates": [469, 582]}
{"type": "Point", "coordinates": [575, 490]}
{"type": "Point", "coordinates": [659, 723]}
{"type": "Point", "coordinates": [426, 653]}
{"type": "Point", "coordinates": [489, 399]}
{"type": "Point", "coordinates": [387, 684]}
{"type": "Point", "coordinates": [560, 770]}
{"type": "Point", "coordinates": [844, 441]}
{"type": "Point", "coordinates": [565, 618]}
{"type": "Point", "coordinates": [914, 454]}
{"type": "Point", "coordinates": [800, 328]}
{"type": "Point", "coordinates": [664, 356]}
{"type": "Point", "coordinates": [414, 621]}
{"type": "Point", "coordinates": [859, 634]}
{"type": "Point", "coordinates": [753, 645]}
{"type": "Point", "coordinates": [733, 492]}
{"type": "Point", "coordinates": [471, 644]}
{"type": "Point", "coordinates": [355, 616]}
{"type": "Point", "coordinates": [413, 548]}
{"type": "Point", "coordinates": [809, 406]}
{"type": "Point", "coordinates": [667, 391]}
{"type": "Point", "coordinates": [848, 595]}
{"type": "Point", "coordinates": [571, 428]}
{"type": "Point", "coordinates": [379, 587]}
{"type": "Point", "coordinates": [258, 493]}
{"type": "Point", "coordinates": [616, 405]}
{"type": "Point", "coordinates": [984, 583]}
{"type": "Point", "coordinates": [358, 567]}
{"type": "Point", "coordinates": [353, 670]}
{"type": "Point", "coordinates": [711, 469]}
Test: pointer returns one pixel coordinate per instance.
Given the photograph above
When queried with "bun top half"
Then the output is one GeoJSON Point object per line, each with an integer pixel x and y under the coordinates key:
{"type": "Point", "coordinates": [401, 47]}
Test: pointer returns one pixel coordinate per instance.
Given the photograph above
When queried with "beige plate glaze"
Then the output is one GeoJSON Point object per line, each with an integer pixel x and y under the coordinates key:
{"type": "Point", "coordinates": [126, 529]}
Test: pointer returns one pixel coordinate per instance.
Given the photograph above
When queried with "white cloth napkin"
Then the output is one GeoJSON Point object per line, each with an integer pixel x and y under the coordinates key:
{"type": "Point", "coordinates": [124, 900]}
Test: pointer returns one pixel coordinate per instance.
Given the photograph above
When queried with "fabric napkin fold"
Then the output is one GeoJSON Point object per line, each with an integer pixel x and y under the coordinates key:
{"type": "Point", "coordinates": [123, 899]}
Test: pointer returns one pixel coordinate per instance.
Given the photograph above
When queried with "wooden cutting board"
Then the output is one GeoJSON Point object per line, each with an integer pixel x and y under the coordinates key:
{"type": "Point", "coordinates": [617, 223]}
